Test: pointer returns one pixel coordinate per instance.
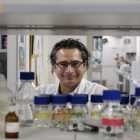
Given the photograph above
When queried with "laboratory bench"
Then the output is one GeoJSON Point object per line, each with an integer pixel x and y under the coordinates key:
{"type": "Point", "coordinates": [30, 132]}
{"type": "Point", "coordinates": [125, 83]}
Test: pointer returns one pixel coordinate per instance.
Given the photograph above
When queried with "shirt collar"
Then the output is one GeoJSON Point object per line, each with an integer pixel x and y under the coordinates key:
{"type": "Point", "coordinates": [79, 89]}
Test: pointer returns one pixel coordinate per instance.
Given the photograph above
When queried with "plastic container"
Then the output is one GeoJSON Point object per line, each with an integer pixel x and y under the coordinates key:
{"type": "Point", "coordinates": [79, 110]}
{"type": "Point", "coordinates": [97, 103]}
{"type": "Point", "coordinates": [59, 111]}
{"type": "Point", "coordinates": [24, 98]}
{"type": "Point", "coordinates": [111, 116]}
{"type": "Point", "coordinates": [42, 112]}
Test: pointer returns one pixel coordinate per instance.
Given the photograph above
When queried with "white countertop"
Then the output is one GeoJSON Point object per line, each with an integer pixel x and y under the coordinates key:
{"type": "Point", "coordinates": [29, 132]}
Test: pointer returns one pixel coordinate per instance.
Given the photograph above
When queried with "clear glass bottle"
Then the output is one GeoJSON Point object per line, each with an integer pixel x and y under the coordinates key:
{"type": "Point", "coordinates": [42, 112]}
{"type": "Point", "coordinates": [11, 123]}
{"type": "Point", "coordinates": [135, 114]}
{"type": "Point", "coordinates": [97, 103]}
{"type": "Point", "coordinates": [111, 116]}
{"type": "Point", "coordinates": [126, 110]}
{"type": "Point", "coordinates": [24, 98]}
{"type": "Point", "coordinates": [79, 111]}
{"type": "Point", "coordinates": [59, 111]}
{"type": "Point", "coordinates": [132, 100]}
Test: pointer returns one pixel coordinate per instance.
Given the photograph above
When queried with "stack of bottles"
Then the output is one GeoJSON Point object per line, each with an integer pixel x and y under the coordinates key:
{"type": "Point", "coordinates": [65, 111]}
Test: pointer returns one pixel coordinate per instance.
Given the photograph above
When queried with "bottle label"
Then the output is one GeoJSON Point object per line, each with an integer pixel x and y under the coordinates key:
{"type": "Point", "coordinates": [112, 122]}
{"type": "Point", "coordinates": [59, 116]}
{"type": "Point", "coordinates": [42, 115]}
{"type": "Point", "coordinates": [95, 114]}
{"type": "Point", "coordinates": [12, 127]}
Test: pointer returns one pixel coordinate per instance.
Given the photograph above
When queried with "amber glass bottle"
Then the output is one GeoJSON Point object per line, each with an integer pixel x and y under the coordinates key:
{"type": "Point", "coordinates": [11, 123]}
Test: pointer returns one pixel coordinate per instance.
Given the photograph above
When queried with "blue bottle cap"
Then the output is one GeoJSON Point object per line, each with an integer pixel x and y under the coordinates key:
{"type": "Point", "coordinates": [124, 99]}
{"type": "Point", "coordinates": [133, 98]}
{"type": "Point", "coordinates": [27, 76]}
{"type": "Point", "coordinates": [42, 100]}
{"type": "Point", "coordinates": [113, 95]}
{"type": "Point", "coordinates": [44, 94]}
{"type": "Point", "coordinates": [137, 91]}
{"type": "Point", "coordinates": [59, 99]}
{"type": "Point", "coordinates": [96, 98]}
{"type": "Point", "coordinates": [82, 94]}
{"type": "Point", "coordinates": [79, 99]}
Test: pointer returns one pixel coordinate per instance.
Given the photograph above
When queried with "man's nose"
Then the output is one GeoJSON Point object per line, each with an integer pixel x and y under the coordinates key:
{"type": "Point", "coordinates": [69, 69]}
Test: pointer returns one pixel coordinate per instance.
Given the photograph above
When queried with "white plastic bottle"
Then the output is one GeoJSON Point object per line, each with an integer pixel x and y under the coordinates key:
{"type": "Point", "coordinates": [111, 116]}
{"type": "Point", "coordinates": [24, 98]}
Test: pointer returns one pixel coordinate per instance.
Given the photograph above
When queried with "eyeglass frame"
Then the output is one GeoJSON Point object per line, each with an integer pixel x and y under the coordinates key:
{"type": "Point", "coordinates": [80, 63]}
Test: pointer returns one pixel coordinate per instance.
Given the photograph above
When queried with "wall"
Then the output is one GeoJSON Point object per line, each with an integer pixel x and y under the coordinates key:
{"type": "Point", "coordinates": [108, 69]}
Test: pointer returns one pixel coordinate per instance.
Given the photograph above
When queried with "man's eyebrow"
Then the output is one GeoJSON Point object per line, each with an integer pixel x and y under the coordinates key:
{"type": "Point", "coordinates": [70, 62]}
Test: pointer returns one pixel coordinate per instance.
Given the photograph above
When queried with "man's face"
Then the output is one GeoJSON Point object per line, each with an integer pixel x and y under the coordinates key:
{"type": "Point", "coordinates": [69, 75]}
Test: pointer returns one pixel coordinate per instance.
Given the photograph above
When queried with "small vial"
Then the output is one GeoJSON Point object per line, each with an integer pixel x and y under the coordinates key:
{"type": "Point", "coordinates": [111, 116]}
{"type": "Point", "coordinates": [126, 110]}
{"type": "Point", "coordinates": [97, 102]}
{"type": "Point", "coordinates": [59, 111]}
{"type": "Point", "coordinates": [79, 111]}
{"type": "Point", "coordinates": [42, 112]}
{"type": "Point", "coordinates": [11, 123]}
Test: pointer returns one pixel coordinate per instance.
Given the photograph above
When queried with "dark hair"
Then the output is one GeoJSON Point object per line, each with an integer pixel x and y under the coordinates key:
{"type": "Point", "coordinates": [69, 44]}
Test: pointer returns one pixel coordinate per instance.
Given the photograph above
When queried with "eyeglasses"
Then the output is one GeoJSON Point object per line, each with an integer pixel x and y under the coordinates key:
{"type": "Point", "coordinates": [64, 65]}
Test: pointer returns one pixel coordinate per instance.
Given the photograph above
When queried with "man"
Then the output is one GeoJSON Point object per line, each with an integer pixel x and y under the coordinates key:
{"type": "Point", "coordinates": [70, 60]}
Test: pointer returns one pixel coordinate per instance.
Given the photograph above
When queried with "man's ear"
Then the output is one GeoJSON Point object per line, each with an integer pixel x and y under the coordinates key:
{"type": "Point", "coordinates": [85, 65]}
{"type": "Point", "coordinates": [54, 67]}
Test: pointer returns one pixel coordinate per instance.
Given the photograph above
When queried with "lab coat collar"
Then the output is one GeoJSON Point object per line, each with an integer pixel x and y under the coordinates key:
{"type": "Point", "coordinates": [79, 89]}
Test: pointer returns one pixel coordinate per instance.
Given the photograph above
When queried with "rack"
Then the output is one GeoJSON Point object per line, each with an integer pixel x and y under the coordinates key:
{"type": "Point", "coordinates": [3, 50]}
{"type": "Point", "coordinates": [97, 56]}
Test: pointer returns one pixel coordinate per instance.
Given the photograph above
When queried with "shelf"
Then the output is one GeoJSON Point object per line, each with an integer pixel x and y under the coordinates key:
{"type": "Point", "coordinates": [3, 50]}
{"type": "Point", "coordinates": [97, 68]}
{"type": "Point", "coordinates": [97, 50]}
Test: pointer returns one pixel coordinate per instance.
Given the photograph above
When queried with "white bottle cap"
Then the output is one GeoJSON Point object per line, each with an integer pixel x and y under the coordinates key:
{"type": "Point", "coordinates": [11, 108]}
{"type": "Point", "coordinates": [81, 127]}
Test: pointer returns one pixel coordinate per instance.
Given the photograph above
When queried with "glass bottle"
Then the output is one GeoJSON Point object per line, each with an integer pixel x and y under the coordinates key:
{"type": "Point", "coordinates": [132, 100]}
{"type": "Point", "coordinates": [97, 102]}
{"type": "Point", "coordinates": [42, 112]}
{"type": "Point", "coordinates": [79, 111]}
{"type": "Point", "coordinates": [59, 111]}
{"type": "Point", "coordinates": [126, 110]}
{"type": "Point", "coordinates": [135, 114]}
{"type": "Point", "coordinates": [111, 116]}
{"type": "Point", "coordinates": [11, 123]}
{"type": "Point", "coordinates": [24, 98]}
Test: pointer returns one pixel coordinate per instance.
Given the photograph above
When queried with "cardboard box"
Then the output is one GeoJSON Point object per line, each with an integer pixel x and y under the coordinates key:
{"type": "Point", "coordinates": [104, 83]}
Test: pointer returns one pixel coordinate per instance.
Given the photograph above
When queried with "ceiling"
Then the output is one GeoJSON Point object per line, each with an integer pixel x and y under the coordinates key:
{"type": "Point", "coordinates": [70, 16]}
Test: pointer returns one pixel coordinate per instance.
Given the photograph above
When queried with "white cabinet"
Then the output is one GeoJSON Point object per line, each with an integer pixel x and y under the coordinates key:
{"type": "Point", "coordinates": [128, 44]}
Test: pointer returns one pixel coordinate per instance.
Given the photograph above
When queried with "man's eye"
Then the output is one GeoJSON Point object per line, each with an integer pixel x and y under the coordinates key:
{"type": "Point", "coordinates": [75, 64]}
{"type": "Point", "coordinates": [63, 64]}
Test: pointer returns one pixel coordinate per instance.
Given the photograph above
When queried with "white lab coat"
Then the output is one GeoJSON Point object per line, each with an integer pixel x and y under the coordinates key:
{"type": "Point", "coordinates": [85, 87]}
